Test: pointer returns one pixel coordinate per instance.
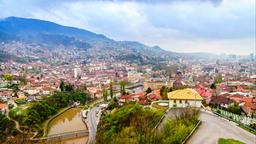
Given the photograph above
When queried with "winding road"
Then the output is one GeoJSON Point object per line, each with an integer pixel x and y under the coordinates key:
{"type": "Point", "coordinates": [214, 127]}
{"type": "Point", "coordinates": [93, 120]}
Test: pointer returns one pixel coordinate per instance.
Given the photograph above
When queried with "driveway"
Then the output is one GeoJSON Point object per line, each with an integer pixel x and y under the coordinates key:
{"type": "Point", "coordinates": [214, 127]}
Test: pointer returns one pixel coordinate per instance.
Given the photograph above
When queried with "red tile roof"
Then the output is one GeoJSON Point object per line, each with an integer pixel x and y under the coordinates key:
{"type": "Point", "coordinates": [127, 97]}
{"type": "Point", "coordinates": [250, 105]}
{"type": "Point", "coordinates": [153, 97]}
{"type": "Point", "coordinates": [3, 105]}
{"type": "Point", "coordinates": [238, 98]}
{"type": "Point", "coordinates": [203, 91]}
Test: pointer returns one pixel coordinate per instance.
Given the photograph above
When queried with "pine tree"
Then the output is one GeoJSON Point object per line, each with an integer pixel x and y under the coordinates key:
{"type": "Point", "coordinates": [111, 89]}
{"type": "Point", "coordinates": [62, 86]}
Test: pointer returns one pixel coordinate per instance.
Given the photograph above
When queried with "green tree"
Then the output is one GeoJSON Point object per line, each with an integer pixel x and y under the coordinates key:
{"type": "Point", "coordinates": [8, 76]}
{"type": "Point", "coordinates": [85, 87]}
{"type": "Point", "coordinates": [253, 125]}
{"type": "Point", "coordinates": [23, 80]}
{"type": "Point", "coordinates": [111, 89]}
{"type": "Point", "coordinates": [14, 87]}
{"type": "Point", "coordinates": [79, 96]}
{"type": "Point", "coordinates": [130, 123]}
{"type": "Point", "coordinates": [66, 87]}
{"type": "Point", "coordinates": [213, 86]}
{"type": "Point", "coordinates": [235, 108]}
{"type": "Point", "coordinates": [105, 94]}
{"type": "Point", "coordinates": [149, 90]}
{"type": "Point", "coordinates": [62, 86]}
{"type": "Point", "coordinates": [218, 78]}
{"type": "Point", "coordinates": [164, 92]}
{"type": "Point", "coordinates": [113, 104]}
{"type": "Point", "coordinates": [122, 87]}
{"type": "Point", "coordinates": [7, 128]}
{"type": "Point", "coordinates": [69, 88]}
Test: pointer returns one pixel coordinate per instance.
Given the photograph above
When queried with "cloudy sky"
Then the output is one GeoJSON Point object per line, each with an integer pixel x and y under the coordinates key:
{"type": "Point", "coordinates": [216, 26]}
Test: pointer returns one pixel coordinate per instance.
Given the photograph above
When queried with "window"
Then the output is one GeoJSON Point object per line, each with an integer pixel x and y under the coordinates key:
{"type": "Point", "coordinates": [186, 101]}
{"type": "Point", "coordinates": [180, 101]}
{"type": "Point", "coordinates": [174, 101]}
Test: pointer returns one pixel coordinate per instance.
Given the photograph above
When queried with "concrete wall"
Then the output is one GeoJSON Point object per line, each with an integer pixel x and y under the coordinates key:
{"type": "Point", "coordinates": [184, 103]}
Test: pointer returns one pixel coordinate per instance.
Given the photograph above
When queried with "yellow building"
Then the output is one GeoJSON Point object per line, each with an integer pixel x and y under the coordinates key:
{"type": "Point", "coordinates": [184, 98]}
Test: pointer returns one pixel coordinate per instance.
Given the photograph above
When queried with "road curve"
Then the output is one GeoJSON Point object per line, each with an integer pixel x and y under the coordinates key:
{"type": "Point", "coordinates": [214, 127]}
{"type": "Point", "coordinates": [93, 120]}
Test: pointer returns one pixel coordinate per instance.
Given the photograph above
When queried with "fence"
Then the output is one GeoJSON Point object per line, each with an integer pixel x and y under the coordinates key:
{"type": "Point", "coordinates": [235, 117]}
{"type": "Point", "coordinates": [242, 121]}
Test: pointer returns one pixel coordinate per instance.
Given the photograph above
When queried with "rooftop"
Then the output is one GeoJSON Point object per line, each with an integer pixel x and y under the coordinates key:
{"type": "Point", "coordinates": [187, 94]}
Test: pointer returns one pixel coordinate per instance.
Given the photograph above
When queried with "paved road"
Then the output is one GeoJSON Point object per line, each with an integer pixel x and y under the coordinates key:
{"type": "Point", "coordinates": [213, 128]}
{"type": "Point", "coordinates": [93, 120]}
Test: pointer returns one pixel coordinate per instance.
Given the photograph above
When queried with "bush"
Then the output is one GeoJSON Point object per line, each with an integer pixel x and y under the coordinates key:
{"type": "Point", "coordinates": [177, 129]}
{"type": "Point", "coordinates": [253, 125]}
{"type": "Point", "coordinates": [235, 108]}
{"type": "Point", "coordinates": [129, 123]}
{"type": "Point", "coordinates": [132, 123]}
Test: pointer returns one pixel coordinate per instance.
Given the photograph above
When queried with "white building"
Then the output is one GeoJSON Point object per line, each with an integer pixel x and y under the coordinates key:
{"type": "Point", "coordinates": [184, 98]}
{"type": "Point", "coordinates": [77, 72]}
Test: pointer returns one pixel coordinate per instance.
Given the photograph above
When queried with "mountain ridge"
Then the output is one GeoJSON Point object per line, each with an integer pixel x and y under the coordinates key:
{"type": "Point", "coordinates": [44, 26]}
{"type": "Point", "coordinates": [53, 36]}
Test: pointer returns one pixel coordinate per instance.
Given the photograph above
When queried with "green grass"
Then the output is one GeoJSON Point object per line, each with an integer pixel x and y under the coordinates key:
{"type": "Point", "coordinates": [229, 141]}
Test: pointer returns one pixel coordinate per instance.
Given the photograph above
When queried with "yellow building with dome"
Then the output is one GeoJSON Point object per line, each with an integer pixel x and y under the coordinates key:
{"type": "Point", "coordinates": [185, 98]}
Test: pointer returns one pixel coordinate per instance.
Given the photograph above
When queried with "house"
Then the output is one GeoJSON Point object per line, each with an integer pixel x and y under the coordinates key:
{"type": "Point", "coordinates": [92, 91]}
{"type": "Point", "coordinates": [156, 84]}
{"type": "Point", "coordinates": [204, 92]}
{"type": "Point", "coordinates": [178, 83]}
{"type": "Point", "coordinates": [32, 91]}
{"type": "Point", "coordinates": [184, 98]}
{"type": "Point", "coordinates": [249, 108]}
{"type": "Point", "coordinates": [31, 98]}
{"type": "Point", "coordinates": [3, 108]}
{"type": "Point", "coordinates": [136, 88]}
{"type": "Point", "coordinates": [153, 97]}
{"type": "Point", "coordinates": [6, 93]}
{"type": "Point", "coordinates": [125, 98]}
{"type": "Point", "coordinates": [222, 101]}
{"type": "Point", "coordinates": [21, 95]}
{"type": "Point", "coordinates": [240, 99]}
{"type": "Point", "coordinates": [142, 98]}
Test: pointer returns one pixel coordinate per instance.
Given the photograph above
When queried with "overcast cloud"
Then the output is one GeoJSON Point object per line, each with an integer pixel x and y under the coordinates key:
{"type": "Point", "coordinates": [215, 26]}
